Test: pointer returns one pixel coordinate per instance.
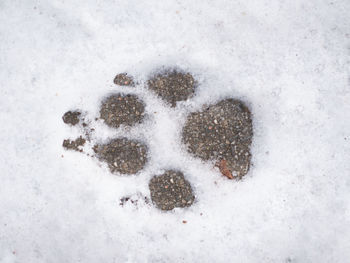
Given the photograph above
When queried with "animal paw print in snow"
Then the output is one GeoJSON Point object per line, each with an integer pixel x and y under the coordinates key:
{"type": "Point", "coordinates": [221, 132]}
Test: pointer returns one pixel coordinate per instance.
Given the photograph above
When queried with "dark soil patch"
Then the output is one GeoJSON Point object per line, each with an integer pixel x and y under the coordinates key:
{"type": "Point", "coordinates": [172, 86]}
{"type": "Point", "coordinates": [123, 155]}
{"type": "Point", "coordinates": [123, 79]}
{"type": "Point", "coordinates": [71, 117]}
{"type": "Point", "coordinates": [74, 145]}
{"type": "Point", "coordinates": [171, 190]}
{"type": "Point", "coordinates": [222, 132]}
{"type": "Point", "coordinates": [120, 109]}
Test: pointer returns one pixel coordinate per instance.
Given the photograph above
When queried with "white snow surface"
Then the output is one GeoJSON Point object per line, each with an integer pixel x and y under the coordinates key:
{"type": "Point", "coordinates": [288, 60]}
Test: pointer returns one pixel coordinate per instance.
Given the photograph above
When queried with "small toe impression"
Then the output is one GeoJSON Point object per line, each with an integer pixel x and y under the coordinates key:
{"type": "Point", "coordinates": [124, 79]}
{"type": "Point", "coordinates": [123, 155]}
{"type": "Point", "coordinates": [172, 85]}
{"type": "Point", "coordinates": [71, 117]}
{"type": "Point", "coordinates": [171, 190]}
{"type": "Point", "coordinates": [75, 145]}
{"type": "Point", "coordinates": [120, 109]}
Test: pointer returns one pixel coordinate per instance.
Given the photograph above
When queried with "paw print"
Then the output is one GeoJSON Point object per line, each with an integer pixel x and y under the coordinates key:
{"type": "Point", "coordinates": [220, 133]}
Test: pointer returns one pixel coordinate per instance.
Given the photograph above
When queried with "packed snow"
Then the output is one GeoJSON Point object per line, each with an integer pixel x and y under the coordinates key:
{"type": "Point", "coordinates": [289, 61]}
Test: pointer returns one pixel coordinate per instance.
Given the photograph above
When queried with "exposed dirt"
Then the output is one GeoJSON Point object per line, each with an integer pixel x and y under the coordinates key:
{"type": "Point", "coordinates": [75, 145]}
{"type": "Point", "coordinates": [71, 117]}
{"type": "Point", "coordinates": [171, 190]}
{"type": "Point", "coordinates": [221, 132]}
{"type": "Point", "coordinates": [123, 79]}
{"type": "Point", "coordinates": [172, 85]}
{"type": "Point", "coordinates": [135, 200]}
{"type": "Point", "coordinates": [120, 109]}
{"type": "Point", "coordinates": [123, 155]}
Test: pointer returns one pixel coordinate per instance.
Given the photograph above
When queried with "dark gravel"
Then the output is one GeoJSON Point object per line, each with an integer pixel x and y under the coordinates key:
{"type": "Point", "coordinates": [123, 79]}
{"type": "Point", "coordinates": [74, 145]}
{"type": "Point", "coordinates": [171, 190]}
{"type": "Point", "coordinates": [123, 155]}
{"type": "Point", "coordinates": [120, 109]}
{"type": "Point", "coordinates": [71, 117]}
{"type": "Point", "coordinates": [221, 132]}
{"type": "Point", "coordinates": [172, 86]}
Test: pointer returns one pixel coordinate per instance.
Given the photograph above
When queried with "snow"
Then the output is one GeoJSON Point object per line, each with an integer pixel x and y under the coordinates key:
{"type": "Point", "coordinates": [288, 60]}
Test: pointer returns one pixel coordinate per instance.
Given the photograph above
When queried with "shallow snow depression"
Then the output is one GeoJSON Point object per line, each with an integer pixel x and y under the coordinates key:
{"type": "Point", "coordinates": [289, 63]}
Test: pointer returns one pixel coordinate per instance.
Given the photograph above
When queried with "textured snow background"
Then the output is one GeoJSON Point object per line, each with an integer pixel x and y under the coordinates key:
{"type": "Point", "coordinates": [289, 60]}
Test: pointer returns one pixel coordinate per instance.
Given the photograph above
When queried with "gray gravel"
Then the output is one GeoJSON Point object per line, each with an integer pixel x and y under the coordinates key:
{"type": "Point", "coordinates": [120, 109]}
{"type": "Point", "coordinates": [123, 155]}
{"type": "Point", "coordinates": [171, 190]}
{"type": "Point", "coordinates": [75, 145]}
{"type": "Point", "coordinates": [172, 86]}
{"type": "Point", "coordinates": [221, 132]}
{"type": "Point", "coordinates": [71, 117]}
{"type": "Point", "coordinates": [123, 79]}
